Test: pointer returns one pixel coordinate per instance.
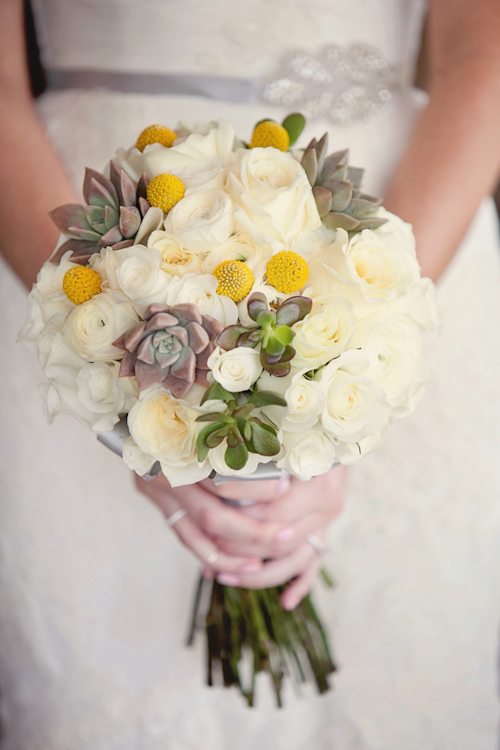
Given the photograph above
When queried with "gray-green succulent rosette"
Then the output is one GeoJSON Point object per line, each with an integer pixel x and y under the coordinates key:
{"type": "Point", "coordinates": [237, 303]}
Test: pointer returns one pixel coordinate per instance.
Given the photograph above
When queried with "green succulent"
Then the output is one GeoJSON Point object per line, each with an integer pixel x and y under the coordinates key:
{"type": "Point", "coordinates": [244, 434]}
{"type": "Point", "coordinates": [112, 214]}
{"type": "Point", "coordinates": [337, 189]}
{"type": "Point", "coordinates": [272, 332]}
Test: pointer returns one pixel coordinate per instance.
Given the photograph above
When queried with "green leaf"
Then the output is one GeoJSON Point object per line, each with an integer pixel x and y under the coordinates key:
{"type": "Point", "coordinates": [274, 347]}
{"type": "Point", "coordinates": [304, 304]}
{"type": "Point", "coordinates": [257, 303]}
{"type": "Point", "coordinates": [284, 334]}
{"type": "Point", "coordinates": [278, 369]}
{"type": "Point", "coordinates": [294, 125]}
{"type": "Point", "coordinates": [236, 457]}
{"type": "Point", "coordinates": [288, 354]}
{"type": "Point", "coordinates": [216, 392]}
{"type": "Point", "coordinates": [264, 439]}
{"type": "Point", "coordinates": [266, 398]}
{"type": "Point", "coordinates": [214, 440]}
{"type": "Point", "coordinates": [266, 318]}
{"type": "Point", "coordinates": [228, 338]}
{"type": "Point", "coordinates": [243, 411]}
{"type": "Point", "coordinates": [201, 443]}
{"type": "Point", "coordinates": [288, 314]}
{"type": "Point", "coordinates": [213, 416]}
{"type": "Point", "coordinates": [247, 431]}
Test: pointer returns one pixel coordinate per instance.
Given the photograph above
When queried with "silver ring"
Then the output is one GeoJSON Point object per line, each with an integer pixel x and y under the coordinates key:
{"type": "Point", "coordinates": [213, 557]}
{"type": "Point", "coordinates": [176, 516]}
{"type": "Point", "coordinates": [318, 545]}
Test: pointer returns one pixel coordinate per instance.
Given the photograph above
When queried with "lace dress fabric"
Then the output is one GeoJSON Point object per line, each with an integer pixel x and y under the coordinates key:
{"type": "Point", "coordinates": [95, 591]}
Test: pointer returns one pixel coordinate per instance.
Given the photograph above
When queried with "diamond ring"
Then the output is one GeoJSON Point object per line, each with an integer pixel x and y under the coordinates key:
{"type": "Point", "coordinates": [318, 545]}
{"type": "Point", "coordinates": [171, 520]}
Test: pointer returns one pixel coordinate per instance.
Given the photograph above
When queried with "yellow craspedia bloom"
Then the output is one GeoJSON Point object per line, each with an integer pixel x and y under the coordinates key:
{"type": "Point", "coordinates": [269, 133]}
{"type": "Point", "coordinates": [287, 272]}
{"type": "Point", "coordinates": [155, 134]}
{"type": "Point", "coordinates": [81, 284]}
{"type": "Point", "coordinates": [164, 191]}
{"type": "Point", "coordinates": [235, 279]}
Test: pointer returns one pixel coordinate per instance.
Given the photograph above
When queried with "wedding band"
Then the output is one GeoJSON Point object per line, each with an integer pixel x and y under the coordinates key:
{"type": "Point", "coordinates": [176, 516]}
{"type": "Point", "coordinates": [213, 556]}
{"type": "Point", "coordinates": [318, 545]}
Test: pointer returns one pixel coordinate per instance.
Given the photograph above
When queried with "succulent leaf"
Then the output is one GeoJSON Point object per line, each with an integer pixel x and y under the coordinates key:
{"type": "Point", "coordinates": [294, 124]}
{"type": "Point", "coordinates": [372, 223]}
{"type": "Point", "coordinates": [283, 334]}
{"type": "Point", "coordinates": [236, 457]}
{"type": "Point", "coordinates": [310, 164]}
{"type": "Point", "coordinates": [266, 398]}
{"type": "Point", "coordinates": [107, 185]}
{"type": "Point", "coordinates": [303, 303]}
{"type": "Point", "coordinates": [257, 303]}
{"type": "Point", "coordinates": [112, 236]}
{"type": "Point", "coordinates": [275, 347]}
{"type": "Point", "coordinates": [341, 193]}
{"type": "Point", "coordinates": [217, 393]}
{"type": "Point", "coordinates": [323, 198]}
{"type": "Point", "coordinates": [265, 441]}
{"type": "Point", "coordinates": [335, 220]}
{"type": "Point", "coordinates": [130, 221]}
{"type": "Point", "coordinates": [228, 338]}
{"type": "Point", "coordinates": [71, 214]}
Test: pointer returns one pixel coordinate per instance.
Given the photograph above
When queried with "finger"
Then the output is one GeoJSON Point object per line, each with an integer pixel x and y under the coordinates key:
{"type": "Point", "coordinates": [206, 551]}
{"type": "Point", "coordinates": [259, 491]}
{"type": "Point", "coordinates": [300, 587]}
{"type": "Point", "coordinates": [273, 573]}
{"type": "Point", "coordinates": [284, 542]}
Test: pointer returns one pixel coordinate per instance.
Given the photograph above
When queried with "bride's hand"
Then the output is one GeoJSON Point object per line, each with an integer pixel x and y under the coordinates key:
{"type": "Point", "coordinates": [307, 508]}
{"type": "Point", "coordinates": [205, 524]}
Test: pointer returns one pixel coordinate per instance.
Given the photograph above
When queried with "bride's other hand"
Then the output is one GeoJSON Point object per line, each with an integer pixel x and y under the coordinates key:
{"type": "Point", "coordinates": [206, 524]}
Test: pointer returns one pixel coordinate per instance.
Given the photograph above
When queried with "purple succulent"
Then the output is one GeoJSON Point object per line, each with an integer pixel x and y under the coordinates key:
{"type": "Point", "coordinates": [171, 346]}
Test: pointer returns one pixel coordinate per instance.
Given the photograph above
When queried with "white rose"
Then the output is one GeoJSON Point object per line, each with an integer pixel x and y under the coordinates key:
{"type": "Point", "coordinates": [393, 344]}
{"type": "Point", "coordinates": [202, 220]}
{"type": "Point", "coordinates": [307, 455]}
{"type": "Point", "coordinates": [305, 399]}
{"type": "Point", "coordinates": [324, 333]}
{"type": "Point", "coordinates": [140, 276]}
{"type": "Point", "coordinates": [202, 292]}
{"type": "Point", "coordinates": [166, 430]}
{"type": "Point", "coordinates": [217, 460]}
{"type": "Point", "coordinates": [351, 453]}
{"type": "Point", "coordinates": [235, 370]}
{"type": "Point", "coordinates": [176, 261]}
{"type": "Point", "coordinates": [239, 247]}
{"type": "Point", "coordinates": [356, 406]}
{"type": "Point", "coordinates": [274, 199]}
{"type": "Point", "coordinates": [420, 304]}
{"type": "Point", "coordinates": [102, 393]}
{"type": "Point", "coordinates": [91, 327]}
{"type": "Point", "coordinates": [382, 264]}
{"type": "Point", "coordinates": [135, 459]}
{"type": "Point", "coordinates": [395, 224]}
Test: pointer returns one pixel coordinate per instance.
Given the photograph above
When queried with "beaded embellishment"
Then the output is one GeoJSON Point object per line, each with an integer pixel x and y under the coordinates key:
{"type": "Point", "coordinates": [343, 84]}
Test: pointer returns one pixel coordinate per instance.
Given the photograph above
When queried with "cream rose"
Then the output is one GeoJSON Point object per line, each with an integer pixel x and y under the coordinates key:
{"type": "Point", "coordinates": [202, 291]}
{"type": "Point", "coordinates": [324, 333]}
{"type": "Point", "coordinates": [393, 344]}
{"type": "Point", "coordinates": [235, 370]}
{"type": "Point", "coordinates": [308, 455]}
{"type": "Point", "coordinates": [91, 328]}
{"type": "Point", "coordinates": [305, 399]}
{"type": "Point", "coordinates": [166, 430]}
{"type": "Point", "coordinates": [274, 199]}
{"type": "Point", "coordinates": [176, 261]}
{"type": "Point", "coordinates": [104, 394]}
{"type": "Point", "coordinates": [202, 220]}
{"type": "Point", "coordinates": [356, 406]}
{"type": "Point", "coordinates": [239, 247]}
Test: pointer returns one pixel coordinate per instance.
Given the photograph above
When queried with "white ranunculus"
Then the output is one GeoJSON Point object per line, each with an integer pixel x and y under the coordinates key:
{"type": "Point", "coordinates": [202, 220]}
{"type": "Point", "coordinates": [307, 455]}
{"type": "Point", "coordinates": [105, 263]}
{"type": "Point", "coordinates": [216, 458]}
{"type": "Point", "coordinates": [202, 292]}
{"type": "Point", "coordinates": [166, 430]}
{"type": "Point", "coordinates": [140, 276]}
{"type": "Point", "coordinates": [176, 260]}
{"type": "Point", "coordinates": [383, 264]}
{"type": "Point", "coordinates": [305, 400]}
{"type": "Point", "coordinates": [274, 199]}
{"type": "Point", "coordinates": [102, 393]}
{"type": "Point", "coordinates": [135, 459]}
{"type": "Point", "coordinates": [324, 333]}
{"type": "Point", "coordinates": [356, 406]}
{"type": "Point", "coordinates": [91, 327]}
{"type": "Point", "coordinates": [393, 343]}
{"type": "Point", "coordinates": [235, 370]}
{"type": "Point", "coordinates": [239, 247]}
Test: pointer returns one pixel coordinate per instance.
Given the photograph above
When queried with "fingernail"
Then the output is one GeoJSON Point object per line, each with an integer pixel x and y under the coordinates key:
{"type": "Point", "coordinates": [285, 535]}
{"type": "Point", "coordinates": [228, 579]}
{"type": "Point", "coordinates": [283, 484]}
{"type": "Point", "coordinates": [251, 567]}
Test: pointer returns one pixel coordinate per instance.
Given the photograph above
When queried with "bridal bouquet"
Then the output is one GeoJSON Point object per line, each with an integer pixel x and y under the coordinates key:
{"type": "Point", "coordinates": [237, 304]}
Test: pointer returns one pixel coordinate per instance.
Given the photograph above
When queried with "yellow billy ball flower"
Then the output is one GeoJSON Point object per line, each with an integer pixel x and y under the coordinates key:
{"type": "Point", "coordinates": [287, 272]}
{"type": "Point", "coordinates": [155, 134]}
{"type": "Point", "coordinates": [81, 283]}
{"type": "Point", "coordinates": [235, 279]}
{"type": "Point", "coordinates": [269, 133]}
{"type": "Point", "coordinates": [164, 191]}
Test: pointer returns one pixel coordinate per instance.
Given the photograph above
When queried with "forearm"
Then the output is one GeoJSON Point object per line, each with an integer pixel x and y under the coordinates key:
{"type": "Point", "coordinates": [32, 178]}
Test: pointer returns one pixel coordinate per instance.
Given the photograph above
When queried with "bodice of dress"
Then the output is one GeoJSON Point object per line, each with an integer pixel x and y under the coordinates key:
{"type": "Point", "coordinates": [221, 37]}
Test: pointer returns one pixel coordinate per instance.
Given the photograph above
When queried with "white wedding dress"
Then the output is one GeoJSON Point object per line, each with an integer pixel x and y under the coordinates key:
{"type": "Point", "coordinates": [95, 590]}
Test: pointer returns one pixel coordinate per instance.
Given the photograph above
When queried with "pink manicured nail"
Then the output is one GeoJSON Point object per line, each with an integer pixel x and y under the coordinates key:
{"type": "Point", "coordinates": [285, 535]}
{"type": "Point", "coordinates": [228, 579]}
{"type": "Point", "coordinates": [251, 567]}
{"type": "Point", "coordinates": [283, 485]}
